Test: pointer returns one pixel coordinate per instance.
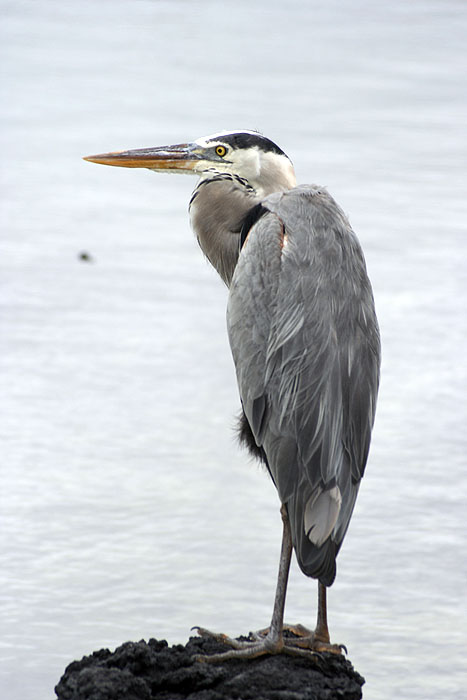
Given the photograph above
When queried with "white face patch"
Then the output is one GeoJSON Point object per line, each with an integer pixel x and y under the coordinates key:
{"type": "Point", "coordinates": [265, 169]}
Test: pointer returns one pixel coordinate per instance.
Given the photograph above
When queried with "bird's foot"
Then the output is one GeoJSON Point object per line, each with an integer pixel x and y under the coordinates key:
{"type": "Point", "coordinates": [300, 636]}
{"type": "Point", "coordinates": [256, 645]}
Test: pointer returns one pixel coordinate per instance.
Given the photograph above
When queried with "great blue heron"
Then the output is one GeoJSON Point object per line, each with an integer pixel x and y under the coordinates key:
{"type": "Point", "coordinates": [305, 342]}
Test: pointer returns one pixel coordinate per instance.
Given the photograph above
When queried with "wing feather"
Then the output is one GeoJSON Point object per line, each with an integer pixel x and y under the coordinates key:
{"type": "Point", "coordinates": [305, 342]}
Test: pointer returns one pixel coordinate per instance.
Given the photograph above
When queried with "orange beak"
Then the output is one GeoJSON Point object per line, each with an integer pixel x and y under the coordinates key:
{"type": "Point", "coordinates": [182, 157]}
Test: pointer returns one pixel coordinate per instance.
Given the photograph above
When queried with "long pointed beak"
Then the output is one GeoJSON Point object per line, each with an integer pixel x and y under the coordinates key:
{"type": "Point", "coordinates": [181, 157]}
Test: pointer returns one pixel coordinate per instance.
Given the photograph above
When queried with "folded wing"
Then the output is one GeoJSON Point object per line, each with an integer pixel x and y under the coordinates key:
{"type": "Point", "coordinates": [305, 342]}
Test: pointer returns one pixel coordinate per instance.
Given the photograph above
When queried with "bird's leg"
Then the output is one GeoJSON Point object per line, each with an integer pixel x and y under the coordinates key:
{"type": "Point", "coordinates": [321, 631]}
{"type": "Point", "coordinates": [319, 640]}
{"type": "Point", "coordinates": [277, 621]}
{"type": "Point", "coordinates": [273, 641]}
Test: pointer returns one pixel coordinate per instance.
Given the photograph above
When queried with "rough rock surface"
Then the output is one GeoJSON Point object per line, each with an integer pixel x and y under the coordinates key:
{"type": "Point", "coordinates": [150, 670]}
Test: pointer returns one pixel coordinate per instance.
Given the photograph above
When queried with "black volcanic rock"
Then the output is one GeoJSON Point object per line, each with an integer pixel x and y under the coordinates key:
{"type": "Point", "coordinates": [150, 670]}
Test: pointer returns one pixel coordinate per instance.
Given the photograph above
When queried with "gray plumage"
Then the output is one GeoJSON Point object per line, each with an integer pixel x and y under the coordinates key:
{"type": "Point", "coordinates": [305, 342]}
{"type": "Point", "coordinates": [218, 208]}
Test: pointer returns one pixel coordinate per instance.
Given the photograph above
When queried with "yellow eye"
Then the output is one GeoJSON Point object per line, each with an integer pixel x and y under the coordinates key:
{"type": "Point", "coordinates": [221, 151]}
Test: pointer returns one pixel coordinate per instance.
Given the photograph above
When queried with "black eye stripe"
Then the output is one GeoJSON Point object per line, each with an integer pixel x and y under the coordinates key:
{"type": "Point", "coordinates": [245, 140]}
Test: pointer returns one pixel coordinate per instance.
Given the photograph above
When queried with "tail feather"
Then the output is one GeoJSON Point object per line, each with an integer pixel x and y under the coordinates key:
{"type": "Point", "coordinates": [315, 560]}
{"type": "Point", "coordinates": [321, 513]}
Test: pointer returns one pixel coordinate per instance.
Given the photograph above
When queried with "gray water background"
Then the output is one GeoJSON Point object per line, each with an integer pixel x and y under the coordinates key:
{"type": "Point", "coordinates": [127, 509]}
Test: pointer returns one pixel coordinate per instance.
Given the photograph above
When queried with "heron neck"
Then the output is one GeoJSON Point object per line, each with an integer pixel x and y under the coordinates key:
{"type": "Point", "coordinates": [218, 207]}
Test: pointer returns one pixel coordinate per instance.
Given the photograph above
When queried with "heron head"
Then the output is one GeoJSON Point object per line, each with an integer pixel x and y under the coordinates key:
{"type": "Point", "coordinates": [245, 154]}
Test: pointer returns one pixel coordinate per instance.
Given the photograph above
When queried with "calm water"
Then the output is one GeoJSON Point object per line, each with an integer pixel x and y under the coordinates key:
{"type": "Point", "coordinates": [127, 510]}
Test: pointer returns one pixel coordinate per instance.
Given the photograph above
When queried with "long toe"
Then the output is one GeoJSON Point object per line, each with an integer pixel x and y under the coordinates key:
{"type": "Point", "coordinates": [298, 630]}
{"type": "Point", "coordinates": [223, 638]}
{"type": "Point", "coordinates": [250, 649]}
{"type": "Point", "coordinates": [302, 637]}
{"type": "Point", "coordinates": [315, 645]}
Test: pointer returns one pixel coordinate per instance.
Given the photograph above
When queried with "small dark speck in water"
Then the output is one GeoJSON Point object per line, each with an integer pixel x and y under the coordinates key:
{"type": "Point", "coordinates": [84, 256]}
